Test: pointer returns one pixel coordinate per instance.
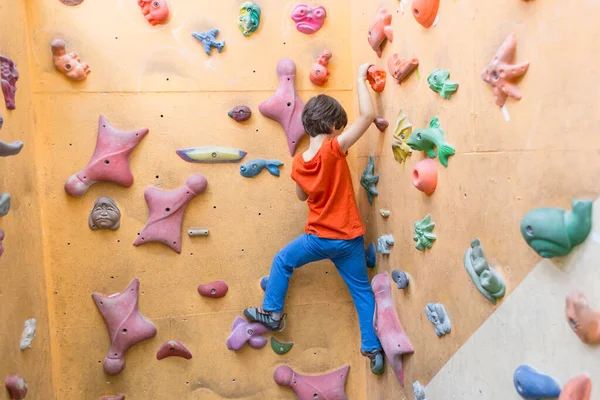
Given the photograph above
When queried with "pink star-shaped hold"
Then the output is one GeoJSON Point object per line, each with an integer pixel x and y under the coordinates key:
{"type": "Point", "coordinates": [110, 162]}
{"type": "Point", "coordinates": [166, 212]}
{"type": "Point", "coordinates": [126, 325]}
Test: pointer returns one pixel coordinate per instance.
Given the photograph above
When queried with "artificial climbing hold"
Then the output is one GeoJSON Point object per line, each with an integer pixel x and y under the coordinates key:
{"type": "Point", "coordinates": [401, 279]}
{"type": "Point", "coordinates": [126, 325]}
{"type": "Point", "coordinates": [110, 161]}
{"type": "Point", "coordinates": [243, 331]}
{"type": "Point", "coordinates": [377, 78]}
{"type": "Point", "coordinates": [240, 113]}
{"type": "Point", "coordinates": [209, 41]}
{"type": "Point", "coordinates": [10, 149]}
{"type": "Point", "coordinates": [173, 348]}
{"type": "Point", "coordinates": [584, 320]}
{"type": "Point", "coordinates": [120, 397]}
{"type": "Point", "coordinates": [1, 242]}
{"type": "Point", "coordinates": [578, 388]}
{"type": "Point", "coordinates": [387, 327]}
{"type": "Point", "coordinates": [419, 391]}
{"type": "Point", "coordinates": [309, 19]}
{"type": "Point", "coordinates": [437, 315]}
{"type": "Point", "coordinates": [263, 282]}
{"type": "Point", "coordinates": [16, 386]}
{"type": "Point", "coordinates": [286, 106]}
{"type": "Point", "coordinates": [425, 176]}
{"type": "Point", "coordinates": [166, 212]}
{"type": "Point", "coordinates": [486, 279]}
{"type": "Point", "coordinates": [255, 167]}
{"type": "Point", "coordinates": [403, 128]}
{"type": "Point", "coordinates": [197, 232]}
{"type": "Point", "coordinates": [401, 152]}
{"type": "Point", "coordinates": [28, 334]}
{"type": "Point", "coordinates": [429, 140]}
{"type": "Point", "coordinates": [319, 74]}
{"type": "Point", "coordinates": [4, 204]}
{"type": "Point", "coordinates": [381, 124]}
{"type": "Point", "coordinates": [423, 233]}
{"type": "Point", "coordinates": [380, 30]}
{"type": "Point", "coordinates": [425, 11]}
{"type": "Point", "coordinates": [155, 11]}
{"type": "Point", "coordinates": [105, 215]}
{"type": "Point", "coordinates": [384, 213]}
{"type": "Point", "coordinates": [371, 256]}
{"type": "Point", "coordinates": [1, 121]}
{"type": "Point", "coordinates": [249, 18]}
{"type": "Point", "coordinates": [211, 154]}
{"type": "Point", "coordinates": [532, 385]}
{"type": "Point", "coordinates": [501, 73]}
{"type": "Point", "coordinates": [8, 78]}
{"type": "Point", "coordinates": [384, 243]}
{"type": "Point", "coordinates": [68, 63]}
{"type": "Point", "coordinates": [439, 81]}
{"type": "Point", "coordinates": [324, 387]}
{"type": "Point", "coordinates": [401, 68]}
{"type": "Point", "coordinates": [369, 180]}
{"type": "Point", "coordinates": [280, 348]}
{"type": "Point", "coordinates": [216, 289]}
{"type": "Point", "coordinates": [553, 232]}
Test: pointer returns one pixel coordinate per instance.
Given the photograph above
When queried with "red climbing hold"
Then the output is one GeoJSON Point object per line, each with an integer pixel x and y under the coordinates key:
{"type": "Point", "coordinates": [323, 387]}
{"type": "Point", "coordinates": [17, 387]}
{"type": "Point", "coordinates": [173, 348]}
{"type": "Point", "coordinates": [214, 289]}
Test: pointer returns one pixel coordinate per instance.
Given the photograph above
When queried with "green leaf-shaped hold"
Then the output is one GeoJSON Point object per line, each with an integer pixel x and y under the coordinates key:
{"type": "Point", "coordinates": [423, 233]}
{"type": "Point", "coordinates": [280, 348]}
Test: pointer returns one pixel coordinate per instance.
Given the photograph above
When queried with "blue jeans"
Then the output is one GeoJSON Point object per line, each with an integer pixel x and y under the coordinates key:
{"type": "Point", "coordinates": [349, 259]}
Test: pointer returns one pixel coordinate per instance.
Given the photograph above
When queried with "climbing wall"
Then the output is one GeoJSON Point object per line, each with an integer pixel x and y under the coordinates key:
{"type": "Point", "coordinates": [22, 287]}
{"type": "Point", "coordinates": [544, 156]}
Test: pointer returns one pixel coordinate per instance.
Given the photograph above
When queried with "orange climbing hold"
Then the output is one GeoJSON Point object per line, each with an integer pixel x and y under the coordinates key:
{"type": "Point", "coordinates": [381, 30]}
{"type": "Point", "coordinates": [578, 388]}
{"type": "Point", "coordinates": [425, 11]}
{"type": "Point", "coordinates": [376, 77]}
{"type": "Point", "coordinates": [401, 68]}
{"type": "Point", "coordinates": [425, 176]}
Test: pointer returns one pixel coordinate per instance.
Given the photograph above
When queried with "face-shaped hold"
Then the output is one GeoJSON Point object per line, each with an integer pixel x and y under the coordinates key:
{"type": "Point", "coordinates": [376, 77]}
{"type": "Point", "coordinates": [319, 74]}
{"type": "Point", "coordinates": [155, 11]}
{"type": "Point", "coordinates": [401, 68]}
{"type": "Point", "coordinates": [8, 77]}
{"type": "Point", "coordinates": [309, 19]}
{"type": "Point", "coordinates": [249, 18]}
{"type": "Point", "coordinates": [68, 63]}
{"type": "Point", "coordinates": [105, 215]}
{"type": "Point", "coordinates": [584, 321]}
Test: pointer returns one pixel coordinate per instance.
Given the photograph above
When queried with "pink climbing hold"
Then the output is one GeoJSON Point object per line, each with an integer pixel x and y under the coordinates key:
{"type": "Point", "coordinates": [126, 325]}
{"type": "Point", "coordinates": [286, 106]}
{"type": "Point", "coordinates": [16, 386]}
{"type": "Point", "coordinates": [243, 331]}
{"type": "Point", "coordinates": [214, 289]}
{"type": "Point", "coordinates": [381, 124]}
{"type": "Point", "coordinates": [323, 387]}
{"type": "Point", "coordinates": [393, 339]}
{"type": "Point", "coordinates": [121, 397]}
{"type": "Point", "coordinates": [166, 212]}
{"type": "Point", "coordinates": [1, 242]}
{"type": "Point", "coordinates": [173, 348]}
{"type": "Point", "coordinates": [110, 161]}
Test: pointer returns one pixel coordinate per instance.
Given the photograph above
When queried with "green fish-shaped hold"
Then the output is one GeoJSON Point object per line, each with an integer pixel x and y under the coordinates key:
{"type": "Point", "coordinates": [439, 81]}
{"type": "Point", "coordinates": [429, 139]}
{"type": "Point", "coordinates": [553, 232]}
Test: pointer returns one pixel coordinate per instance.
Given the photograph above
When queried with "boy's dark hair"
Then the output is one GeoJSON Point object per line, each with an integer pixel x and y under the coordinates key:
{"type": "Point", "coordinates": [322, 114]}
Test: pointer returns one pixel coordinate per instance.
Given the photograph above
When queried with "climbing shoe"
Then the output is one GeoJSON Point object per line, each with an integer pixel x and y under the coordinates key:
{"type": "Point", "coordinates": [265, 318]}
{"type": "Point", "coordinates": [377, 362]}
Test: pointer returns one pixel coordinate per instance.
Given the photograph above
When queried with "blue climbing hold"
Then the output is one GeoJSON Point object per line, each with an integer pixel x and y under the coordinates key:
{"type": "Point", "coordinates": [371, 255]}
{"type": "Point", "coordinates": [532, 385]}
{"type": "Point", "coordinates": [263, 282]}
{"type": "Point", "coordinates": [208, 40]}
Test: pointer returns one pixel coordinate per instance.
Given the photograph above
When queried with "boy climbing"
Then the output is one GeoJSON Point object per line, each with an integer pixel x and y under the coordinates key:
{"type": "Point", "coordinates": [334, 229]}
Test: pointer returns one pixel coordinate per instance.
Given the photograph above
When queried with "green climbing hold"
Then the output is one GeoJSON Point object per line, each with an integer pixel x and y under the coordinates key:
{"type": "Point", "coordinates": [280, 348]}
{"type": "Point", "coordinates": [439, 81]}
{"type": "Point", "coordinates": [249, 18]}
{"type": "Point", "coordinates": [428, 140]}
{"type": "Point", "coordinates": [486, 279]}
{"type": "Point", "coordinates": [423, 233]}
{"type": "Point", "coordinates": [369, 180]}
{"type": "Point", "coordinates": [553, 232]}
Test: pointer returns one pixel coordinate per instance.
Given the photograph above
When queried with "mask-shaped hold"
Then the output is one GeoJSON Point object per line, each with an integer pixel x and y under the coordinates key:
{"type": "Point", "coordinates": [425, 11]}
{"type": "Point", "coordinates": [401, 68]}
{"type": "Point", "coordinates": [428, 140]}
{"type": "Point", "coordinates": [105, 215]}
{"type": "Point", "coordinates": [369, 180]}
{"type": "Point", "coordinates": [8, 78]}
{"type": "Point", "coordinates": [584, 321]}
{"type": "Point", "coordinates": [249, 18]}
{"type": "Point", "coordinates": [16, 386]}
{"type": "Point", "coordinates": [531, 384]}
{"type": "Point", "coordinates": [486, 279]}
{"type": "Point", "coordinates": [403, 128]}
{"type": "Point", "coordinates": [209, 40]}
{"type": "Point", "coordinates": [578, 388]}
{"type": "Point", "coordinates": [319, 74]}
{"type": "Point", "coordinates": [424, 233]}
{"type": "Point", "coordinates": [155, 11]}
{"type": "Point", "coordinates": [501, 73]}
{"type": "Point", "coordinates": [326, 387]}
{"type": "Point", "coordinates": [384, 243]}
{"type": "Point", "coordinates": [376, 77]}
{"type": "Point", "coordinates": [439, 81]}
{"type": "Point", "coordinates": [71, 2]}
{"type": "Point", "coordinates": [425, 176]}
{"type": "Point", "coordinates": [553, 232]}
{"type": "Point", "coordinates": [436, 313]}
{"type": "Point", "coordinates": [240, 113]}
{"type": "Point", "coordinates": [309, 19]}
{"type": "Point", "coordinates": [68, 63]}
{"type": "Point", "coordinates": [381, 30]}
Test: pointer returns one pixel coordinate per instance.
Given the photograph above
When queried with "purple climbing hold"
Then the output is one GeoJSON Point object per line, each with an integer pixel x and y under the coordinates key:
{"type": "Point", "coordinates": [243, 331]}
{"type": "Point", "coordinates": [401, 279]}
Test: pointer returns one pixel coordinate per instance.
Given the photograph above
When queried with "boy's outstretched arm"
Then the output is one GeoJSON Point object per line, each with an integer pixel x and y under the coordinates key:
{"type": "Point", "coordinates": [366, 112]}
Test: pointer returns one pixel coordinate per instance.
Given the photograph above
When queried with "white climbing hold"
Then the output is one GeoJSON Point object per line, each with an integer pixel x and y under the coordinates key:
{"type": "Point", "coordinates": [28, 333]}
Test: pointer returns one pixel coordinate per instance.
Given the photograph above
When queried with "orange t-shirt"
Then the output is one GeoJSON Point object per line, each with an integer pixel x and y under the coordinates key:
{"type": "Point", "coordinates": [326, 179]}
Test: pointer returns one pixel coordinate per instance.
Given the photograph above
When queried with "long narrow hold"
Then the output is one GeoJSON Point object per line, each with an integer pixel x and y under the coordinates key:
{"type": "Point", "coordinates": [197, 232]}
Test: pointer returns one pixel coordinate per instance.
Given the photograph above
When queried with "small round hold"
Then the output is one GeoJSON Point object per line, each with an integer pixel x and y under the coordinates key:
{"type": "Point", "coordinates": [263, 283]}
{"type": "Point", "coordinates": [240, 113]}
{"type": "Point", "coordinates": [214, 289]}
{"type": "Point", "coordinates": [401, 279]}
